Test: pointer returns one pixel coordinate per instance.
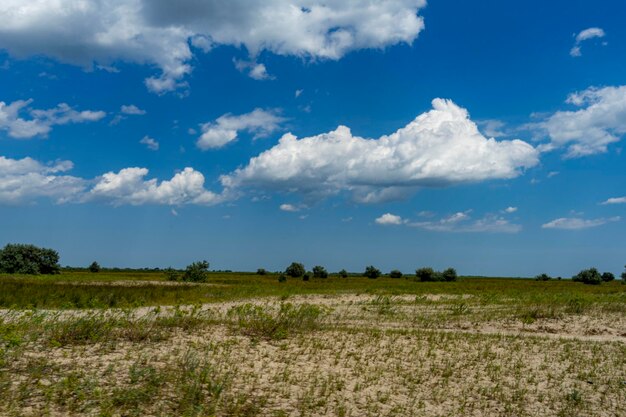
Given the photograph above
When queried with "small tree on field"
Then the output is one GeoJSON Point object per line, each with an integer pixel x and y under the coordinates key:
{"type": "Point", "coordinates": [320, 272]}
{"type": "Point", "coordinates": [261, 271]}
{"type": "Point", "coordinates": [543, 277]}
{"type": "Point", "coordinates": [197, 272]}
{"type": "Point", "coordinates": [295, 270]}
{"type": "Point", "coordinates": [372, 272]}
{"type": "Point", "coordinates": [395, 274]}
{"type": "Point", "coordinates": [94, 267]}
{"type": "Point", "coordinates": [449, 275]}
{"type": "Point", "coordinates": [426, 275]}
{"type": "Point", "coordinates": [608, 277]}
{"type": "Point", "coordinates": [28, 259]}
{"type": "Point", "coordinates": [589, 276]}
{"type": "Point", "coordinates": [171, 274]}
{"type": "Point", "coordinates": [282, 278]}
{"type": "Point", "coordinates": [624, 276]}
{"type": "Point", "coordinates": [344, 274]}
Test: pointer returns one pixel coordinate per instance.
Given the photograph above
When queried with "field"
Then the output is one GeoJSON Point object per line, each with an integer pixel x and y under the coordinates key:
{"type": "Point", "coordinates": [131, 343]}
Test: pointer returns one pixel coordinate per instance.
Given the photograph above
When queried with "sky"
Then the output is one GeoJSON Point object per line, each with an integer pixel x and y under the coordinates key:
{"type": "Point", "coordinates": [485, 136]}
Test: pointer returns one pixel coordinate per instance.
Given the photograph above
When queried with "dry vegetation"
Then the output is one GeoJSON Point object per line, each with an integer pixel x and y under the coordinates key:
{"type": "Point", "coordinates": [386, 347]}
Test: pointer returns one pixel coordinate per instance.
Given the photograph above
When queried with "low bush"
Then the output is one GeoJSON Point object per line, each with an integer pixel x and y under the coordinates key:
{"type": "Point", "coordinates": [427, 275]}
{"type": "Point", "coordinates": [607, 277]}
{"type": "Point", "coordinates": [589, 276]}
{"type": "Point", "coordinates": [395, 274]}
{"type": "Point", "coordinates": [197, 272]}
{"type": "Point", "coordinates": [261, 271]}
{"type": "Point", "coordinates": [320, 272]}
{"type": "Point", "coordinates": [449, 275]}
{"type": "Point", "coordinates": [372, 272]}
{"type": "Point", "coordinates": [543, 277]}
{"type": "Point", "coordinates": [344, 274]}
{"type": "Point", "coordinates": [295, 270]}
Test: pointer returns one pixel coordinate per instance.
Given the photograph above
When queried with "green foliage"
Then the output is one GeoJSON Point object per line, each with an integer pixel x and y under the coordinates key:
{"type": "Point", "coordinates": [589, 276]}
{"type": "Point", "coordinates": [449, 275]}
{"type": "Point", "coordinates": [261, 271]}
{"type": "Point", "coordinates": [197, 272]}
{"type": "Point", "coordinates": [282, 278]}
{"type": "Point", "coordinates": [267, 322]}
{"type": "Point", "coordinates": [344, 274]}
{"type": "Point", "coordinates": [319, 272]}
{"type": "Point", "coordinates": [395, 274]}
{"type": "Point", "coordinates": [427, 274]}
{"type": "Point", "coordinates": [171, 274]}
{"type": "Point", "coordinates": [295, 270]}
{"type": "Point", "coordinates": [372, 272]}
{"type": "Point", "coordinates": [94, 267]}
{"type": "Point", "coordinates": [543, 277]}
{"type": "Point", "coordinates": [28, 259]}
{"type": "Point", "coordinates": [608, 277]}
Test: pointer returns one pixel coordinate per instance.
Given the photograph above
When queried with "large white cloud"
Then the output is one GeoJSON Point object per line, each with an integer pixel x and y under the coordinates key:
{"type": "Point", "coordinates": [40, 122]}
{"type": "Point", "coordinates": [599, 121]}
{"type": "Point", "coordinates": [439, 148]}
{"type": "Point", "coordinates": [259, 122]}
{"type": "Point", "coordinates": [160, 32]}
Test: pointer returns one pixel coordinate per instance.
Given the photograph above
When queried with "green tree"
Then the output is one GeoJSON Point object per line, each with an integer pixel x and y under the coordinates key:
{"type": "Point", "coordinates": [608, 276]}
{"type": "Point", "coordinates": [94, 267]}
{"type": "Point", "coordinates": [395, 273]}
{"type": "Point", "coordinates": [449, 275]}
{"type": "Point", "coordinates": [343, 273]}
{"type": "Point", "coordinates": [295, 270]}
{"type": "Point", "coordinates": [28, 259]}
{"type": "Point", "coordinates": [372, 272]}
{"type": "Point", "coordinates": [261, 271]}
{"type": "Point", "coordinates": [320, 272]}
{"type": "Point", "coordinates": [197, 272]}
{"type": "Point", "coordinates": [427, 274]}
{"type": "Point", "coordinates": [589, 276]}
{"type": "Point", "coordinates": [543, 277]}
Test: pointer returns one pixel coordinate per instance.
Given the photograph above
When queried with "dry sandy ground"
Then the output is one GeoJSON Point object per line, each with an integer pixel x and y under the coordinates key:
{"type": "Point", "coordinates": [371, 356]}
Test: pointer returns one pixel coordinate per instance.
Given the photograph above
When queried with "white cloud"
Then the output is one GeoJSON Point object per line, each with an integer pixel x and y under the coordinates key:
{"type": "Point", "coordinates": [40, 122]}
{"type": "Point", "coordinates": [132, 110]}
{"type": "Point", "coordinates": [510, 210]}
{"type": "Point", "coordinates": [600, 121]}
{"type": "Point", "coordinates": [289, 207]}
{"type": "Point", "coordinates": [298, 93]}
{"type": "Point", "coordinates": [584, 35]}
{"type": "Point", "coordinates": [492, 128]}
{"type": "Point", "coordinates": [389, 219]}
{"type": "Point", "coordinates": [129, 186]}
{"type": "Point", "coordinates": [150, 143]}
{"type": "Point", "coordinates": [441, 147]}
{"type": "Point", "coordinates": [159, 32]}
{"type": "Point", "coordinates": [259, 122]}
{"type": "Point", "coordinates": [615, 200]}
{"type": "Point", "coordinates": [463, 223]}
{"type": "Point", "coordinates": [577, 223]}
{"type": "Point", "coordinates": [255, 70]}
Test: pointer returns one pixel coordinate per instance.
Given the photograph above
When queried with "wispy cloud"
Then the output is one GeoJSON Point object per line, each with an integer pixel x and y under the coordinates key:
{"type": "Point", "coordinates": [584, 35]}
{"type": "Point", "coordinates": [577, 223]}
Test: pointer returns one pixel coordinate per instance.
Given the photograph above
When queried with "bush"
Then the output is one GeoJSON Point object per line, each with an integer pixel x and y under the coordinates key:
{"type": "Point", "coordinates": [28, 259]}
{"type": "Point", "coordinates": [319, 272]}
{"type": "Point", "coordinates": [607, 277]}
{"type": "Point", "coordinates": [171, 274]}
{"type": "Point", "coordinates": [449, 275]}
{"type": "Point", "coordinates": [282, 278]}
{"type": "Point", "coordinates": [589, 276]}
{"type": "Point", "coordinates": [395, 274]}
{"type": "Point", "coordinates": [427, 275]}
{"type": "Point", "coordinates": [344, 274]}
{"type": "Point", "coordinates": [543, 277]}
{"type": "Point", "coordinates": [94, 267]}
{"type": "Point", "coordinates": [372, 272]}
{"type": "Point", "coordinates": [305, 277]}
{"type": "Point", "coordinates": [197, 272]}
{"type": "Point", "coordinates": [261, 271]}
{"type": "Point", "coordinates": [295, 270]}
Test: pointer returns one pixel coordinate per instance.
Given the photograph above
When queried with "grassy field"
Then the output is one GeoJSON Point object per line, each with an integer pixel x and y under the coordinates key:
{"type": "Point", "coordinates": [123, 344]}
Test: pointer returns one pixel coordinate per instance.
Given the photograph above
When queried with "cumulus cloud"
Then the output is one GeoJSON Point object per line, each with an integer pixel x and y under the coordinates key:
{"type": "Point", "coordinates": [259, 122]}
{"type": "Point", "coordinates": [439, 148]}
{"type": "Point", "coordinates": [253, 69]}
{"type": "Point", "coordinates": [131, 109]}
{"type": "Point", "coordinates": [599, 121]}
{"type": "Point", "coordinates": [160, 32]}
{"type": "Point", "coordinates": [510, 210]}
{"type": "Point", "coordinates": [577, 223]}
{"type": "Point", "coordinates": [150, 143]}
{"type": "Point", "coordinates": [583, 35]}
{"type": "Point", "coordinates": [40, 122]}
{"type": "Point", "coordinates": [615, 200]}
{"type": "Point", "coordinates": [290, 207]}
{"type": "Point", "coordinates": [463, 222]}
{"type": "Point", "coordinates": [389, 219]}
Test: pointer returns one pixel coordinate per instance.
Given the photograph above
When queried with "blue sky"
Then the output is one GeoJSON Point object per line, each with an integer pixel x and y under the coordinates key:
{"type": "Point", "coordinates": [481, 135]}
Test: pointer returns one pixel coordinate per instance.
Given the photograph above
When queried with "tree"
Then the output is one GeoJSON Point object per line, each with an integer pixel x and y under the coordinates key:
{"type": "Point", "coordinates": [395, 274]}
{"type": "Point", "coordinates": [28, 259]}
{"type": "Point", "coordinates": [426, 274]}
{"type": "Point", "coordinates": [372, 272]}
{"type": "Point", "coordinates": [543, 277]}
{"type": "Point", "coordinates": [295, 270]}
{"type": "Point", "coordinates": [449, 275]}
{"type": "Point", "coordinates": [197, 272]}
{"type": "Point", "coordinates": [320, 272]}
{"type": "Point", "coordinates": [94, 267]}
{"type": "Point", "coordinates": [608, 277]}
{"type": "Point", "coordinates": [589, 276]}
{"type": "Point", "coordinates": [344, 274]}
{"type": "Point", "coordinates": [261, 271]}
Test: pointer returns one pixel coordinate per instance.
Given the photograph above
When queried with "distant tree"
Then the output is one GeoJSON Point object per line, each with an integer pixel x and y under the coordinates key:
{"type": "Point", "coordinates": [344, 274]}
{"type": "Point", "coordinates": [589, 276]}
{"type": "Point", "coordinates": [171, 274]}
{"type": "Point", "coordinates": [607, 277]}
{"type": "Point", "coordinates": [295, 270]}
{"type": "Point", "coordinates": [282, 278]}
{"type": "Point", "coordinates": [395, 274]}
{"type": "Point", "coordinates": [449, 275]}
{"type": "Point", "coordinates": [372, 272]}
{"type": "Point", "coordinates": [624, 276]}
{"type": "Point", "coordinates": [28, 259]}
{"type": "Point", "coordinates": [320, 272]}
{"type": "Point", "coordinates": [94, 267]}
{"type": "Point", "coordinates": [427, 275]}
{"type": "Point", "coordinates": [305, 277]}
{"type": "Point", "coordinates": [261, 271]}
{"type": "Point", "coordinates": [543, 277]}
{"type": "Point", "coordinates": [197, 272]}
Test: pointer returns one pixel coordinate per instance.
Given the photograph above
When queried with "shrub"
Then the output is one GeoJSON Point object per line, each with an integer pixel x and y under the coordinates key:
{"type": "Point", "coordinates": [305, 277]}
{"type": "Point", "coordinates": [171, 274]}
{"type": "Point", "coordinates": [295, 270]}
{"type": "Point", "coordinates": [607, 277]}
{"type": "Point", "coordinates": [344, 274]}
{"type": "Point", "coordinates": [28, 259]}
{"type": "Point", "coordinates": [543, 277]}
{"type": "Point", "coordinates": [427, 275]}
{"type": "Point", "coordinates": [319, 272]}
{"type": "Point", "coordinates": [589, 276]}
{"type": "Point", "coordinates": [94, 267]}
{"type": "Point", "coordinates": [372, 272]}
{"type": "Point", "coordinates": [395, 274]}
{"type": "Point", "coordinates": [449, 275]}
{"type": "Point", "coordinates": [261, 271]}
{"type": "Point", "coordinates": [282, 278]}
{"type": "Point", "coordinates": [197, 272]}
